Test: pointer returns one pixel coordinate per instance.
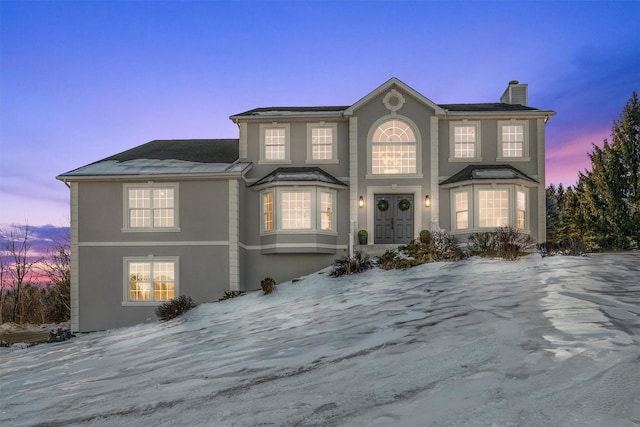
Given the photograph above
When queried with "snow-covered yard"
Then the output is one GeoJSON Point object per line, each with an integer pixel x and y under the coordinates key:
{"type": "Point", "coordinates": [537, 342]}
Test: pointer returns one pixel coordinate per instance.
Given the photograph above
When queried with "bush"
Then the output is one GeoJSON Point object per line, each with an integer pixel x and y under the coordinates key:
{"type": "Point", "coordinates": [570, 246]}
{"type": "Point", "coordinates": [175, 307]}
{"type": "Point", "coordinates": [358, 263]}
{"type": "Point", "coordinates": [425, 237]}
{"type": "Point", "coordinates": [441, 247]}
{"type": "Point", "coordinates": [506, 242]}
{"type": "Point", "coordinates": [230, 294]}
{"type": "Point", "coordinates": [268, 285]}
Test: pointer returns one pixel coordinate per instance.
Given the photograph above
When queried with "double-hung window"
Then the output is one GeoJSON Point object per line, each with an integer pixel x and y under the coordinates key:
{"type": "Point", "coordinates": [321, 146]}
{"type": "Point", "coordinates": [462, 210]}
{"type": "Point", "coordinates": [464, 141]}
{"type": "Point", "coordinates": [513, 140]}
{"type": "Point", "coordinates": [274, 143]}
{"type": "Point", "coordinates": [292, 209]}
{"type": "Point", "coordinates": [494, 208]}
{"type": "Point", "coordinates": [150, 280]}
{"type": "Point", "coordinates": [521, 209]}
{"type": "Point", "coordinates": [394, 149]}
{"type": "Point", "coordinates": [151, 207]}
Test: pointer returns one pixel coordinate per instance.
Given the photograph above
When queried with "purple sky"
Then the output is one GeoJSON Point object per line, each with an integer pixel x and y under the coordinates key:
{"type": "Point", "coordinates": [84, 80]}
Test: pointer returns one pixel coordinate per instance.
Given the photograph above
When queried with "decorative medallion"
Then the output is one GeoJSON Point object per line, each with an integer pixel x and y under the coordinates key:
{"type": "Point", "coordinates": [393, 100]}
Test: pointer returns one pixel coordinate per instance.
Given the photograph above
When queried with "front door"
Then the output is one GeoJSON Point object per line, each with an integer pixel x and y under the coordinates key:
{"type": "Point", "coordinates": [393, 218]}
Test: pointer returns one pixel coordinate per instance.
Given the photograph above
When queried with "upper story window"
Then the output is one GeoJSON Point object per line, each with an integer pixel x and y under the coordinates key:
{"type": "Point", "coordinates": [150, 280]}
{"type": "Point", "coordinates": [394, 149]}
{"type": "Point", "coordinates": [513, 140]}
{"type": "Point", "coordinates": [464, 141]}
{"type": "Point", "coordinates": [274, 143]}
{"type": "Point", "coordinates": [321, 146]}
{"type": "Point", "coordinates": [150, 207]}
{"type": "Point", "coordinates": [298, 209]}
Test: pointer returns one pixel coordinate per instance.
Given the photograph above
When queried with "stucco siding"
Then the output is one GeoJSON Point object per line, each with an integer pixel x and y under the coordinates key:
{"type": "Point", "coordinates": [203, 275]}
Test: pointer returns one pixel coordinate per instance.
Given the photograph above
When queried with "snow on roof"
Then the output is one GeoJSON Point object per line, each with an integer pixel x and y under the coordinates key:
{"type": "Point", "coordinates": [299, 174]}
{"type": "Point", "coordinates": [154, 167]}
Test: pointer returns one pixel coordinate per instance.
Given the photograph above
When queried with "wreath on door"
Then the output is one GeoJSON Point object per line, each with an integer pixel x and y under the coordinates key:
{"type": "Point", "coordinates": [404, 205]}
{"type": "Point", "coordinates": [383, 205]}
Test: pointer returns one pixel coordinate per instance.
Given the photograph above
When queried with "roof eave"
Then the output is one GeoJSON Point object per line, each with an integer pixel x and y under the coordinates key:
{"type": "Point", "coordinates": [543, 114]}
{"type": "Point", "coordinates": [516, 181]}
{"type": "Point", "coordinates": [316, 183]}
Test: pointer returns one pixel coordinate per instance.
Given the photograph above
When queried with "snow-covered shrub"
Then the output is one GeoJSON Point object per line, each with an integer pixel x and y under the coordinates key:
{"type": "Point", "coordinates": [446, 247]}
{"type": "Point", "coordinates": [483, 244]}
{"type": "Point", "coordinates": [358, 263]}
{"type": "Point", "coordinates": [441, 247]}
{"type": "Point", "coordinates": [268, 285]}
{"type": "Point", "coordinates": [230, 294]}
{"type": "Point", "coordinates": [171, 309]}
{"type": "Point", "coordinates": [570, 246]}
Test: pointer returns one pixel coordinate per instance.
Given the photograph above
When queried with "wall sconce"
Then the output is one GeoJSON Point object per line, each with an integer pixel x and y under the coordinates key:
{"type": "Point", "coordinates": [361, 202]}
{"type": "Point", "coordinates": [427, 201]}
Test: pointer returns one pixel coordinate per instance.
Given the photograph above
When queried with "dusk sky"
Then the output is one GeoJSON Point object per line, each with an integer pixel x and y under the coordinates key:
{"type": "Point", "coordinates": [82, 80]}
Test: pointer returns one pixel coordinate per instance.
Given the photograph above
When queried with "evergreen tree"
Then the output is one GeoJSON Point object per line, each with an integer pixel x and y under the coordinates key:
{"type": "Point", "coordinates": [610, 192]}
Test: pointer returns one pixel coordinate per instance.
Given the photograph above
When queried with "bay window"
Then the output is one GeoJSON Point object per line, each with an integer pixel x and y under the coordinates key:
{"type": "Point", "coordinates": [487, 207]}
{"type": "Point", "coordinates": [290, 209]}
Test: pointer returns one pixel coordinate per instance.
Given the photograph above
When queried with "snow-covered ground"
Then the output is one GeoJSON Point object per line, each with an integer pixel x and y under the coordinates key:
{"type": "Point", "coordinates": [537, 342]}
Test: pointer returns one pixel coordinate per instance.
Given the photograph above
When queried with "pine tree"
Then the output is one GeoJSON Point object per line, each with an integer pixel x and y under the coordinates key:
{"type": "Point", "coordinates": [610, 192]}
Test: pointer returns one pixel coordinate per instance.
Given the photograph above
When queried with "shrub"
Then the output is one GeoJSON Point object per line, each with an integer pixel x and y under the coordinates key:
{"type": "Point", "coordinates": [268, 285]}
{"type": "Point", "coordinates": [506, 242]}
{"type": "Point", "coordinates": [570, 246]}
{"type": "Point", "coordinates": [441, 247]}
{"type": "Point", "coordinates": [425, 237]}
{"type": "Point", "coordinates": [358, 263]}
{"type": "Point", "coordinates": [175, 307]}
{"type": "Point", "coordinates": [230, 294]}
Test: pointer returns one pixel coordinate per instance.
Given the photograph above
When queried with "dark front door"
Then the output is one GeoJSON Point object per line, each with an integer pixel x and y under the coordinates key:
{"type": "Point", "coordinates": [393, 218]}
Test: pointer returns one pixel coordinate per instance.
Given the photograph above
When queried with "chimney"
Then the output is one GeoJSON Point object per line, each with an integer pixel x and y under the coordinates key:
{"type": "Point", "coordinates": [515, 93]}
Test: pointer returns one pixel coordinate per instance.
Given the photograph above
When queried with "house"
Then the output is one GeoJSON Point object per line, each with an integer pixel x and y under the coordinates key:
{"type": "Point", "coordinates": [200, 217]}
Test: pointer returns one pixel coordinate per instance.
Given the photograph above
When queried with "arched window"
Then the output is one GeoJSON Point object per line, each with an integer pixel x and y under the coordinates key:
{"type": "Point", "coordinates": [394, 149]}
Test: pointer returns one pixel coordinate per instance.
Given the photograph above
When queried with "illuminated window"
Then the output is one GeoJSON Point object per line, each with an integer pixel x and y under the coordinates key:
{"type": "Point", "coordinates": [462, 210]}
{"type": "Point", "coordinates": [274, 143]}
{"type": "Point", "coordinates": [326, 211]}
{"type": "Point", "coordinates": [295, 210]}
{"type": "Point", "coordinates": [321, 147]}
{"type": "Point", "coordinates": [464, 141]}
{"type": "Point", "coordinates": [513, 140]}
{"type": "Point", "coordinates": [267, 211]}
{"type": "Point", "coordinates": [494, 208]}
{"type": "Point", "coordinates": [291, 209]}
{"type": "Point", "coordinates": [149, 281]}
{"type": "Point", "coordinates": [151, 207]}
{"type": "Point", "coordinates": [521, 209]}
{"type": "Point", "coordinates": [394, 149]}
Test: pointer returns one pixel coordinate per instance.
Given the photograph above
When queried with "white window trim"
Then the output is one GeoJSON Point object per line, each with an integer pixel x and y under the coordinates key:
{"type": "Point", "coordinates": [263, 229]}
{"type": "Point", "coordinates": [334, 149]}
{"type": "Point", "coordinates": [287, 143]}
{"type": "Point", "coordinates": [454, 212]}
{"type": "Point", "coordinates": [316, 219]}
{"type": "Point", "coordinates": [452, 143]}
{"type": "Point", "coordinates": [525, 143]}
{"type": "Point", "coordinates": [474, 207]}
{"type": "Point", "coordinates": [126, 228]}
{"type": "Point", "coordinates": [126, 302]}
{"type": "Point", "coordinates": [418, 136]}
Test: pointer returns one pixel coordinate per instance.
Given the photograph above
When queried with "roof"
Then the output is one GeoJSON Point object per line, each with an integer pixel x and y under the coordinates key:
{"type": "Point", "coordinates": [488, 107]}
{"type": "Point", "coordinates": [270, 111]}
{"type": "Point", "coordinates": [301, 174]}
{"type": "Point", "coordinates": [165, 157]}
{"type": "Point", "coordinates": [487, 172]}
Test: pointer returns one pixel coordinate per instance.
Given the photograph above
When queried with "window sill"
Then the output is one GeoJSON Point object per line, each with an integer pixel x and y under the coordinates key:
{"type": "Point", "coordinates": [297, 232]}
{"type": "Point", "coordinates": [142, 303]}
{"type": "Point", "coordinates": [274, 162]}
{"type": "Point", "coordinates": [513, 159]}
{"type": "Point", "coordinates": [151, 230]}
{"type": "Point", "coordinates": [464, 159]}
{"type": "Point", "coordinates": [321, 162]}
{"type": "Point", "coordinates": [394, 176]}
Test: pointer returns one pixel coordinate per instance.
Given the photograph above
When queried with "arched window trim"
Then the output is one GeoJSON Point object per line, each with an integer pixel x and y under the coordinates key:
{"type": "Point", "coordinates": [371, 143]}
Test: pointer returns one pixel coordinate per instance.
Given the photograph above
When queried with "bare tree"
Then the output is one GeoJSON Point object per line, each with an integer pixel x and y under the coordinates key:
{"type": "Point", "coordinates": [57, 268]}
{"type": "Point", "coordinates": [20, 265]}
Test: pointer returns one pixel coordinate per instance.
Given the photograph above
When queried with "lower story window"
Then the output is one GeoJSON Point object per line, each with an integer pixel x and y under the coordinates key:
{"type": "Point", "coordinates": [150, 280]}
{"type": "Point", "coordinates": [521, 209]}
{"type": "Point", "coordinates": [462, 210]}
